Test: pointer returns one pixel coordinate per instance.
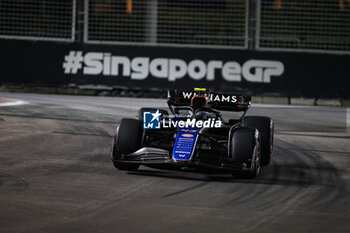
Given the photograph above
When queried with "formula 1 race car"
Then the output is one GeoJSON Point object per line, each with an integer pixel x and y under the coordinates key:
{"type": "Point", "coordinates": [195, 137]}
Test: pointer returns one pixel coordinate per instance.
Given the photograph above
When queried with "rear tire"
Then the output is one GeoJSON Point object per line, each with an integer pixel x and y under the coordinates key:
{"type": "Point", "coordinates": [127, 140]}
{"type": "Point", "coordinates": [245, 150]}
{"type": "Point", "coordinates": [265, 126]}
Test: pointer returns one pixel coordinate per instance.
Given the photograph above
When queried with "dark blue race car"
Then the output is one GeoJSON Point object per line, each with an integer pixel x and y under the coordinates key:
{"type": "Point", "coordinates": [195, 136]}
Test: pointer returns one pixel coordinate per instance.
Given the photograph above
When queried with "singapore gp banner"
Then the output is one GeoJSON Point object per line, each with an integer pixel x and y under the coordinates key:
{"type": "Point", "coordinates": [247, 72]}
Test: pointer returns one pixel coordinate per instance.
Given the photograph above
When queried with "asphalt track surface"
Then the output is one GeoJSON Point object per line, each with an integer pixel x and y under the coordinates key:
{"type": "Point", "coordinates": [56, 174]}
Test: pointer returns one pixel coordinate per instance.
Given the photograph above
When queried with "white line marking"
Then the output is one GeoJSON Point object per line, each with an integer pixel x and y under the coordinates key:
{"type": "Point", "coordinates": [11, 102]}
{"type": "Point", "coordinates": [348, 119]}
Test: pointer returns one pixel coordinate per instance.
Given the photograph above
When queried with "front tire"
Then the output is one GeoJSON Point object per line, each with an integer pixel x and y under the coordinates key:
{"type": "Point", "coordinates": [245, 150]}
{"type": "Point", "coordinates": [265, 126]}
{"type": "Point", "coordinates": [127, 140]}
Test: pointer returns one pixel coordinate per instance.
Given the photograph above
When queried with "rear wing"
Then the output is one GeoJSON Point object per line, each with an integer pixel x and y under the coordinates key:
{"type": "Point", "coordinates": [216, 100]}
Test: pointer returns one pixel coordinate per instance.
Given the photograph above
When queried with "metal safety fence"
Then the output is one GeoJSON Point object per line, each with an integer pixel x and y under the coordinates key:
{"type": "Point", "coordinates": [38, 19]}
{"type": "Point", "coordinates": [292, 25]}
{"type": "Point", "coordinates": [174, 22]}
{"type": "Point", "coordinates": [303, 25]}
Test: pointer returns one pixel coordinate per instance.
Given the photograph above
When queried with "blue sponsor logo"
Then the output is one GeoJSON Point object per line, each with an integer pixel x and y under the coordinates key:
{"type": "Point", "coordinates": [151, 120]}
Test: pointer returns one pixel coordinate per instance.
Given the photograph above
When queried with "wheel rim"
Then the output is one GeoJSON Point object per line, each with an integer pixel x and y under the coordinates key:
{"type": "Point", "coordinates": [257, 165]}
{"type": "Point", "coordinates": [257, 168]}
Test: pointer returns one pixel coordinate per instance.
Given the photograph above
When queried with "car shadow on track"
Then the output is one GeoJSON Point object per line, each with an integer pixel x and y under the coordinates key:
{"type": "Point", "coordinates": [273, 178]}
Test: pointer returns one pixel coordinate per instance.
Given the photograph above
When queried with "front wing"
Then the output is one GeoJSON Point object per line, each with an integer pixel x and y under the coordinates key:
{"type": "Point", "coordinates": [204, 160]}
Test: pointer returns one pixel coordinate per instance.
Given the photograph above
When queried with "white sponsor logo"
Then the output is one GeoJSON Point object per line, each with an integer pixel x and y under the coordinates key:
{"type": "Point", "coordinates": [172, 69]}
{"type": "Point", "coordinates": [213, 97]}
{"type": "Point", "coordinates": [192, 123]}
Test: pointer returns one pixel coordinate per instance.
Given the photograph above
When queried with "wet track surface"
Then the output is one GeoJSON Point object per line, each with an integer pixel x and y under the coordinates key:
{"type": "Point", "coordinates": [56, 174]}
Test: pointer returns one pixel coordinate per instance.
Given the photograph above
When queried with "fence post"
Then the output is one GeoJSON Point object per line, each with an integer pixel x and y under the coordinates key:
{"type": "Point", "coordinates": [80, 17]}
{"type": "Point", "coordinates": [152, 21]}
{"type": "Point", "coordinates": [252, 23]}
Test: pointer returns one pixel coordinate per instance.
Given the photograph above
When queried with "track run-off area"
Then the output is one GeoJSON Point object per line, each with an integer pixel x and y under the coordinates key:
{"type": "Point", "coordinates": [56, 174]}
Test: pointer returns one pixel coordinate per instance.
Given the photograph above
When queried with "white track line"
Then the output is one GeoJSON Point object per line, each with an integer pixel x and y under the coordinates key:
{"type": "Point", "coordinates": [11, 102]}
{"type": "Point", "coordinates": [348, 119]}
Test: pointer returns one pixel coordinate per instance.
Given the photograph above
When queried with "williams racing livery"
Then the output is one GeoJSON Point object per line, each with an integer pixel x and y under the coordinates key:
{"type": "Point", "coordinates": [195, 136]}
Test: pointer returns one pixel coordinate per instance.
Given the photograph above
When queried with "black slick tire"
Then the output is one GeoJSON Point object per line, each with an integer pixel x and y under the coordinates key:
{"type": "Point", "coordinates": [245, 150]}
{"type": "Point", "coordinates": [265, 126]}
{"type": "Point", "coordinates": [127, 140]}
